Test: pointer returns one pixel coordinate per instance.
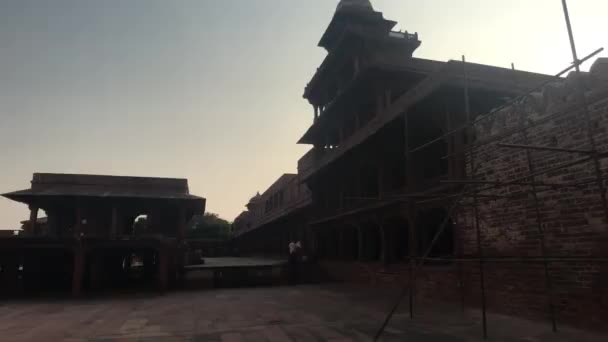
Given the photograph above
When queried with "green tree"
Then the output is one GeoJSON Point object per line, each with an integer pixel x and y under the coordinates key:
{"type": "Point", "coordinates": [209, 226]}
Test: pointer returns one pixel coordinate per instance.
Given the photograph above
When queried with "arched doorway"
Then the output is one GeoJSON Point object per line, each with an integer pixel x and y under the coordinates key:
{"type": "Point", "coordinates": [371, 242]}
{"type": "Point", "coordinates": [397, 228]}
{"type": "Point", "coordinates": [349, 243]}
{"type": "Point", "coordinates": [428, 223]}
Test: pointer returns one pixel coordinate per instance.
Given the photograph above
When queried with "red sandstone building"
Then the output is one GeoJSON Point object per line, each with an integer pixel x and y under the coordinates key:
{"type": "Point", "coordinates": [274, 218]}
{"type": "Point", "coordinates": [92, 234]}
{"type": "Point", "coordinates": [400, 147]}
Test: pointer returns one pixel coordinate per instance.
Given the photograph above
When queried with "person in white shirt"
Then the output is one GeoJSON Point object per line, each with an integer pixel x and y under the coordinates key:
{"type": "Point", "coordinates": [292, 248]}
{"type": "Point", "coordinates": [293, 263]}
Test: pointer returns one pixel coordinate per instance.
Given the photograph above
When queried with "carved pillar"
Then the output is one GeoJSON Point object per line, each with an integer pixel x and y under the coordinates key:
{"type": "Point", "coordinates": [10, 269]}
{"type": "Point", "coordinates": [78, 228]}
{"type": "Point", "coordinates": [341, 244]}
{"type": "Point", "coordinates": [412, 231]}
{"type": "Point", "coordinates": [181, 224]}
{"type": "Point", "coordinates": [96, 274]}
{"type": "Point", "coordinates": [386, 245]}
{"type": "Point", "coordinates": [358, 186]}
{"type": "Point", "coordinates": [387, 97]}
{"type": "Point", "coordinates": [341, 194]}
{"type": "Point", "coordinates": [313, 241]}
{"type": "Point", "coordinates": [409, 163]}
{"type": "Point", "coordinates": [413, 252]}
{"type": "Point", "coordinates": [78, 270]}
{"type": "Point", "coordinates": [114, 227]}
{"type": "Point", "coordinates": [379, 103]}
{"type": "Point", "coordinates": [52, 222]}
{"type": "Point", "coordinates": [163, 268]}
{"type": "Point", "coordinates": [361, 252]}
{"type": "Point", "coordinates": [31, 227]}
{"type": "Point", "coordinates": [380, 180]}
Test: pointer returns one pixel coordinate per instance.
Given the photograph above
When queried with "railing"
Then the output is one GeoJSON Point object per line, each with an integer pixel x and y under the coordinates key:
{"type": "Point", "coordinates": [308, 162]}
{"type": "Point", "coordinates": [349, 205]}
{"type": "Point", "coordinates": [403, 35]}
{"type": "Point", "coordinates": [303, 200]}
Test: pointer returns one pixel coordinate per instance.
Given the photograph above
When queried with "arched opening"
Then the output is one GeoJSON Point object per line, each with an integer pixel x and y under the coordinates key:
{"type": "Point", "coordinates": [351, 243]}
{"type": "Point", "coordinates": [428, 224]}
{"type": "Point", "coordinates": [323, 242]}
{"type": "Point", "coordinates": [398, 239]}
{"type": "Point", "coordinates": [371, 242]}
{"type": "Point", "coordinates": [136, 224]}
{"type": "Point", "coordinates": [430, 162]}
{"type": "Point", "coordinates": [334, 243]}
{"type": "Point", "coordinates": [46, 271]}
{"type": "Point", "coordinates": [140, 225]}
{"type": "Point", "coordinates": [40, 226]}
{"type": "Point", "coordinates": [121, 269]}
{"type": "Point", "coordinates": [369, 181]}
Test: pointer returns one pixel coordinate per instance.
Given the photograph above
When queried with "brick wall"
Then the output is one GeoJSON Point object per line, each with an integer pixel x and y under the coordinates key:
{"type": "Point", "coordinates": [572, 219]}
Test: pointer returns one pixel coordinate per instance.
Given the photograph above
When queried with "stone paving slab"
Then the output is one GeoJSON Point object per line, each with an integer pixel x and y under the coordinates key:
{"type": "Point", "coordinates": [334, 313]}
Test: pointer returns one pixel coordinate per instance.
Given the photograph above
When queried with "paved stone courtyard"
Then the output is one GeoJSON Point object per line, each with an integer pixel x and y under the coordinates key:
{"type": "Point", "coordinates": [305, 313]}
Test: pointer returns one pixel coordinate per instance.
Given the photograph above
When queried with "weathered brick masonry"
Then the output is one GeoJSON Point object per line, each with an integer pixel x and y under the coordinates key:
{"type": "Point", "coordinates": [572, 219]}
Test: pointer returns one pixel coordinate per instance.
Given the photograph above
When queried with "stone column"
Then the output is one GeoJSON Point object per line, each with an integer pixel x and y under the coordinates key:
{"type": "Point", "coordinates": [31, 228]}
{"type": "Point", "coordinates": [78, 228]}
{"type": "Point", "coordinates": [341, 194]}
{"type": "Point", "coordinates": [380, 171]}
{"type": "Point", "coordinates": [313, 243]}
{"type": "Point", "coordinates": [114, 224]}
{"type": "Point", "coordinates": [358, 181]}
{"type": "Point", "coordinates": [96, 272]}
{"type": "Point", "coordinates": [10, 268]}
{"type": "Point", "coordinates": [163, 268]}
{"type": "Point", "coordinates": [387, 97]}
{"type": "Point", "coordinates": [385, 243]}
{"type": "Point", "coordinates": [379, 103]}
{"type": "Point", "coordinates": [412, 233]}
{"type": "Point", "coordinates": [361, 253]}
{"type": "Point", "coordinates": [413, 251]}
{"type": "Point", "coordinates": [78, 270]}
{"type": "Point", "coordinates": [181, 224]}
{"type": "Point", "coordinates": [52, 223]}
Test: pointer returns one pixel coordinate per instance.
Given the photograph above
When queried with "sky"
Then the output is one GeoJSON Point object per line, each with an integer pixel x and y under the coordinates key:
{"type": "Point", "coordinates": [212, 90]}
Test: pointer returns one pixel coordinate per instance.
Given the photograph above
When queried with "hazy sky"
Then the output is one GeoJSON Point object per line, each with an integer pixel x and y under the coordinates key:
{"type": "Point", "coordinates": [211, 90]}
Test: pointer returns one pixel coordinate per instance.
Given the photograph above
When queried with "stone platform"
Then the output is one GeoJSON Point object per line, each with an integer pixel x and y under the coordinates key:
{"type": "Point", "coordinates": [308, 313]}
{"type": "Point", "coordinates": [235, 272]}
{"type": "Point", "coordinates": [234, 262]}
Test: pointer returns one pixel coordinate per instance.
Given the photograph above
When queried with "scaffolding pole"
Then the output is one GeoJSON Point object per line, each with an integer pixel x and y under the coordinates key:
{"type": "Point", "coordinates": [538, 218]}
{"type": "Point", "coordinates": [475, 202]}
{"type": "Point", "coordinates": [474, 188]}
{"type": "Point", "coordinates": [506, 104]}
{"type": "Point", "coordinates": [585, 108]}
{"type": "Point", "coordinates": [507, 133]}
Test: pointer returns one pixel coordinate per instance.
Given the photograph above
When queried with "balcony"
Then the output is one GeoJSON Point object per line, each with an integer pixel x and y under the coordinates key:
{"type": "Point", "coordinates": [297, 197]}
{"type": "Point", "coordinates": [403, 35]}
{"type": "Point", "coordinates": [308, 163]}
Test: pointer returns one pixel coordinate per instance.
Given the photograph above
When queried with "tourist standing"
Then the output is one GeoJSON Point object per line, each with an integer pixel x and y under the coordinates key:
{"type": "Point", "coordinates": [293, 263]}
